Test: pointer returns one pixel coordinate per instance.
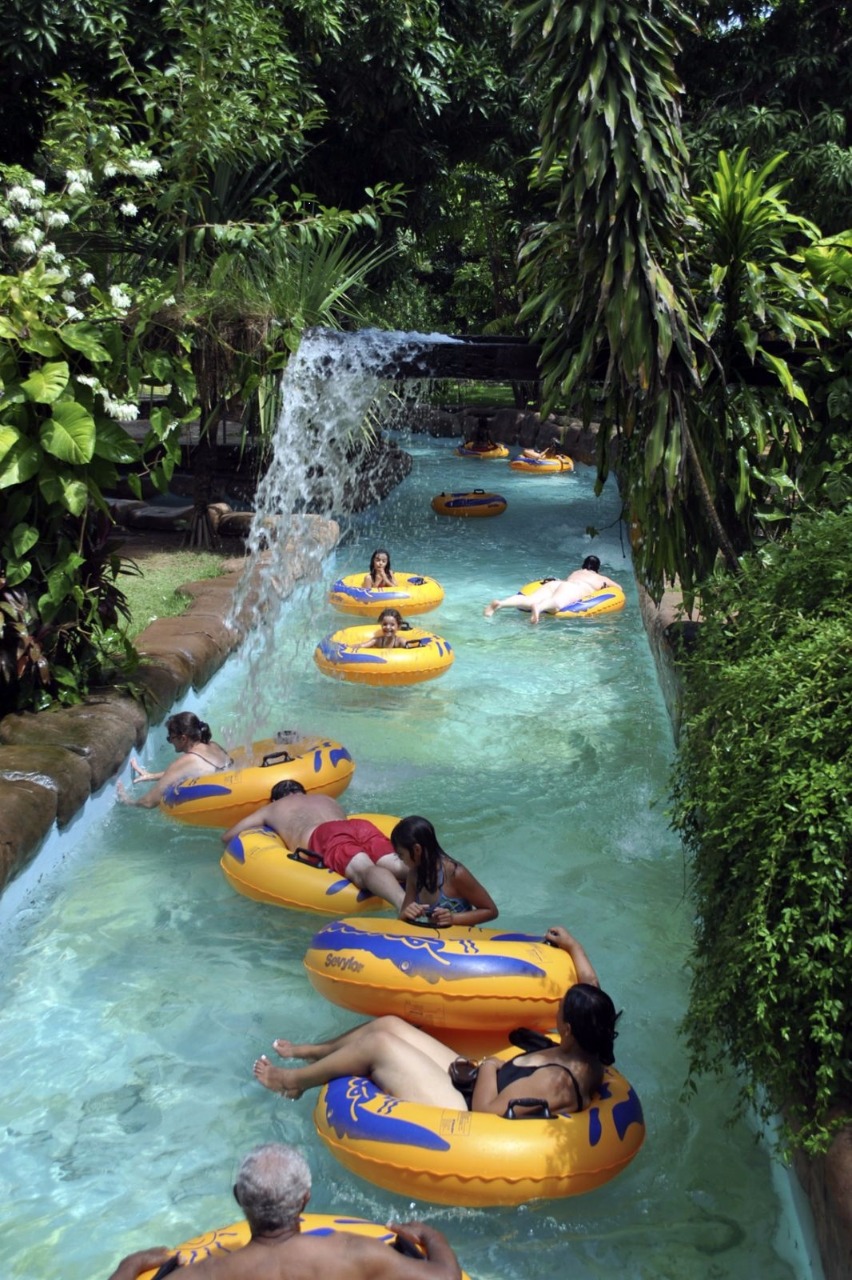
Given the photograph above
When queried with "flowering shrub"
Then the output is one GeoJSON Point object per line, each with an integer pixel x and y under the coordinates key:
{"type": "Point", "coordinates": [74, 357]}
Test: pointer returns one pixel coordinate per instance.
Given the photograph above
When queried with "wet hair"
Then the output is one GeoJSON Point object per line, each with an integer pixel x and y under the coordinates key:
{"type": "Point", "coordinates": [273, 1184]}
{"type": "Point", "coordinates": [289, 787]}
{"type": "Point", "coordinates": [379, 551]}
{"type": "Point", "coordinates": [592, 1017]}
{"type": "Point", "coordinates": [414, 830]}
{"type": "Point", "coordinates": [391, 613]}
{"type": "Point", "coordinates": [186, 723]}
{"type": "Point", "coordinates": [593, 563]}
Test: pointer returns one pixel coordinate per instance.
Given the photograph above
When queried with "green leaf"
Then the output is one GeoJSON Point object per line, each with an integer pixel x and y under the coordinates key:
{"type": "Point", "coordinates": [9, 437]}
{"type": "Point", "coordinates": [24, 538]}
{"type": "Point", "coordinates": [69, 434]}
{"type": "Point", "coordinates": [114, 443]}
{"type": "Point", "coordinates": [85, 338]}
{"type": "Point", "coordinates": [20, 464]}
{"type": "Point", "coordinates": [45, 385]}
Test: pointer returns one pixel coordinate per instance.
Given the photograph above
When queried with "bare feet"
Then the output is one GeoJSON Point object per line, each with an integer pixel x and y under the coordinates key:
{"type": "Point", "coordinates": [276, 1079]}
{"type": "Point", "coordinates": [491, 608]}
{"type": "Point", "coordinates": [289, 1049]}
{"type": "Point", "coordinates": [534, 616]}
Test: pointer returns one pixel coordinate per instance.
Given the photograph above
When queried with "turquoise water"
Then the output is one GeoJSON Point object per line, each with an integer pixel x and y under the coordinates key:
{"type": "Point", "coordinates": [138, 988]}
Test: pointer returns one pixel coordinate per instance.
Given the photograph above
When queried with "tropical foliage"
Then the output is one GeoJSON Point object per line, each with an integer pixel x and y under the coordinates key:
{"type": "Point", "coordinates": [697, 331]}
{"type": "Point", "coordinates": [761, 800]}
{"type": "Point", "coordinates": [774, 75]}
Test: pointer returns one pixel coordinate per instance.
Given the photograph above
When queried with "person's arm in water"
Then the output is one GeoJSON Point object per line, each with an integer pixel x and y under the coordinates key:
{"type": "Point", "coordinates": [141, 774]}
{"type": "Point", "coordinates": [559, 937]}
{"type": "Point", "coordinates": [142, 1260]}
{"type": "Point", "coordinates": [256, 819]}
{"type": "Point", "coordinates": [178, 770]}
{"type": "Point", "coordinates": [442, 1263]}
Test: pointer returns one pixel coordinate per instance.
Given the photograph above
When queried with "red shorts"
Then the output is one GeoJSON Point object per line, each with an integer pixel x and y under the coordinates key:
{"type": "Point", "coordinates": [338, 842]}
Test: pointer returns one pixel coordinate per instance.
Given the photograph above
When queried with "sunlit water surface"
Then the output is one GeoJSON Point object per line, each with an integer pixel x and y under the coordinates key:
{"type": "Point", "coordinates": [138, 988]}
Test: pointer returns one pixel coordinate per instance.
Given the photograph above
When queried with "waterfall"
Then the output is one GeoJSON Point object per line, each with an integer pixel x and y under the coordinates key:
{"type": "Point", "coordinates": [330, 386]}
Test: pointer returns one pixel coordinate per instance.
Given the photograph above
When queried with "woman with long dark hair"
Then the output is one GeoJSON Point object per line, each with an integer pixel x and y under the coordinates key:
{"type": "Point", "coordinates": [411, 1065]}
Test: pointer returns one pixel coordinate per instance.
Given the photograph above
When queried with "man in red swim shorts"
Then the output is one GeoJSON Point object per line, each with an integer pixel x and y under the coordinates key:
{"type": "Point", "coordinates": [353, 847]}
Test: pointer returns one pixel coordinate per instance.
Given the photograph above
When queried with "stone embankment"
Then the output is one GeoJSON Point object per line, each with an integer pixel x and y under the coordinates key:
{"type": "Point", "coordinates": [51, 762]}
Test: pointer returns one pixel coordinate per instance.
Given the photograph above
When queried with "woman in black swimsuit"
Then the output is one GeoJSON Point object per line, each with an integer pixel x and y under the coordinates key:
{"type": "Point", "coordinates": [410, 1064]}
{"type": "Point", "coordinates": [197, 753]}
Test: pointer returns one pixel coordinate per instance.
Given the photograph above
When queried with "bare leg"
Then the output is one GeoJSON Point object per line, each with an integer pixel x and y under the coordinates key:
{"type": "Point", "coordinates": [410, 1065]}
{"type": "Point", "coordinates": [516, 601]}
{"type": "Point", "coordinates": [377, 877]}
{"type": "Point", "coordinates": [321, 1049]}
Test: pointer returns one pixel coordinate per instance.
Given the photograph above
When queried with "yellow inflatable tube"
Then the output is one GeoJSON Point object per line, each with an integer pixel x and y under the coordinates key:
{"type": "Point", "coordinates": [474, 503]}
{"type": "Point", "coordinates": [339, 655]}
{"type": "Point", "coordinates": [473, 979]}
{"type": "Point", "coordinates": [543, 466]}
{"type": "Point", "coordinates": [607, 600]}
{"type": "Point", "coordinates": [236, 1236]}
{"type": "Point", "coordinates": [472, 1158]}
{"type": "Point", "coordinates": [258, 864]}
{"type": "Point", "coordinates": [412, 594]}
{"type": "Point", "coordinates": [470, 450]}
{"type": "Point", "coordinates": [221, 799]}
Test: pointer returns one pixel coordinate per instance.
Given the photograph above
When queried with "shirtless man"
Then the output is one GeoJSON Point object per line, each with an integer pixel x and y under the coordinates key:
{"type": "Point", "coordinates": [352, 847]}
{"type": "Point", "coordinates": [273, 1187]}
{"type": "Point", "coordinates": [551, 596]}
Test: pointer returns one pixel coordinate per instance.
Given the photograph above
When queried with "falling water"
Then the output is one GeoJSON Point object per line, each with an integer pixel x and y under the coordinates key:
{"type": "Point", "coordinates": [334, 389]}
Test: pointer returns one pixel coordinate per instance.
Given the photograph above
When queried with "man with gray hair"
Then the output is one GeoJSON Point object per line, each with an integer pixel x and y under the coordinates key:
{"type": "Point", "coordinates": [273, 1187]}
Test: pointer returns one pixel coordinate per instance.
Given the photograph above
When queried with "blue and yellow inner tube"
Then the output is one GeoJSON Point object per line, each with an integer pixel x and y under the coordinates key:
{"type": "Point", "coordinates": [493, 452]}
{"type": "Point", "coordinates": [412, 594]}
{"type": "Point", "coordinates": [463, 977]}
{"type": "Point", "coordinates": [428, 657]}
{"type": "Point", "coordinates": [557, 465]}
{"type": "Point", "coordinates": [258, 864]}
{"type": "Point", "coordinates": [473, 1158]}
{"type": "Point", "coordinates": [475, 502]}
{"type": "Point", "coordinates": [212, 1244]}
{"type": "Point", "coordinates": [221, 799]}
{"type": "Point", "coordinates": [607, 600]}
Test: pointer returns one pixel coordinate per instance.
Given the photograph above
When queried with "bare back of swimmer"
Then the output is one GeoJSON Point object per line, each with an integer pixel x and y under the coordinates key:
{"type": "Point", "coordinates": [352, 847]}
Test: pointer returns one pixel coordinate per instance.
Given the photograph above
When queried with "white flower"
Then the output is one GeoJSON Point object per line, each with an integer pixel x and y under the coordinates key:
{"type": "Point", "coordinates": [144, 168]}
{"type": "Point", "coordinates": [26, 244]}
{"type": "Point", "coordinates": [37, 185]}
{"type": "Point", "coordinates": [20, 195]}
{"type": "Point", "coordinates": [68, 295]}
{"type": "Point", "coordinates": [121, 412]}
{"type": "Point", "coordinates": [11, 222]}
{"type": "Point", "coordinates": [86, 279]}
{"type": "Point", "coordinates": [88, 380]}
{"type": "Point", "coordinates": [110, 170]}
{"type": "Point", "coordinates": [169, 301]}
{"type": "Point", "coordinates": [76, 188]}
{"type": "Point", "coordinates": [129, 208]}
{"type": "Point", "coordinates": [37, 234]}
{"type": "Point", "coordinates": [120, 300]}
{"type": "Point", "coordinates": [57, 218]}
{"type": "Point", "coordinates": [73, 313]}
{"type": "Point", "coordinates": [83, 176]}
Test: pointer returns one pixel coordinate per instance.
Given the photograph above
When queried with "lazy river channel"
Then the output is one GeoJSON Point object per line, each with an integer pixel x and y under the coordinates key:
{"type": "Point", "coordinates": [138, 988]}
